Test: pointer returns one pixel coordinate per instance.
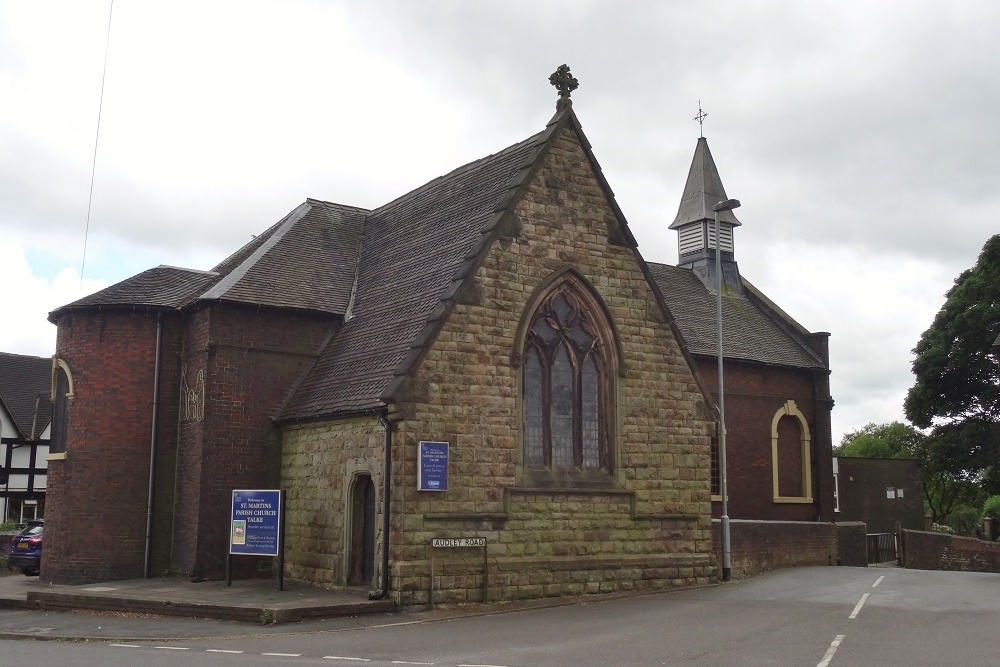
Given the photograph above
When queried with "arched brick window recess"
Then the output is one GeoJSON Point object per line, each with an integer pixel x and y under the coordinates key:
{"type": "Point", "coordinates": [791, 463]}
{"type": "Point", "coordinates": [569, 362]}
{"type": "Point", "coordinates": [62, 392]}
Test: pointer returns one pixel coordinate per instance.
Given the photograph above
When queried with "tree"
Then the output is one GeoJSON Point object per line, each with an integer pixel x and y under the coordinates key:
{"type": "Point", "coordinates": [944, 492]}
{"type": "Point", "coordinates": [882, 441]}
{"type": "Point", "coordinates": [957, 387]}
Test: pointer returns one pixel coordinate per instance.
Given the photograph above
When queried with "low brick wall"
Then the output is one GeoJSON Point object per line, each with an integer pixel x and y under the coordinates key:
{"type": "Point", "coordinates": [760, 546]}
{"type": "Point", "coordinates": [939, 551]}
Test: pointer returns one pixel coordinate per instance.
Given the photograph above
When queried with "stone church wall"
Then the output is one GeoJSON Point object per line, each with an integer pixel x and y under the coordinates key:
{"type": "Point", "coordinates": [654, 530]}
{"type": "Point", "coordinates": [319, 464]}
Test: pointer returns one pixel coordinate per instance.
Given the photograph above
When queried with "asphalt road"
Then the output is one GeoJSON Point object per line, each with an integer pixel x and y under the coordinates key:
{"type": "Point", "coordinates": [823, 617]}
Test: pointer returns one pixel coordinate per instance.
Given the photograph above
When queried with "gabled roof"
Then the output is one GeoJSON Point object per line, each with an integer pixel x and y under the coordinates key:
{"type": "Point", "coordinates": [25, 384]}
{"type": "Point", "coordinates": [702, 191]}
{"type": "Point", "coordinates": [751, 330]}
{"type": "Point", "coordinates": [415, 253]}
{"type": "Point", "coordinates": [305, 261]}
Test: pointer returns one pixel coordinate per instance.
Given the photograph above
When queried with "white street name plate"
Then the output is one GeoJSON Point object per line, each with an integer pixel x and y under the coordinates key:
{"type": "Point", "coordinates": [458, 542]}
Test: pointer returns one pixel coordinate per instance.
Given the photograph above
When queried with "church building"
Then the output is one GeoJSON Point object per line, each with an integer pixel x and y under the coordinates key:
{"type": "Point", "coordinates": [486, 358]}
{"type": "Point", "coordinates": [776, 373]}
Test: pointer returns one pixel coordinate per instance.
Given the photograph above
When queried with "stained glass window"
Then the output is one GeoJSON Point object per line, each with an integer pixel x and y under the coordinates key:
{"type": "Point", "coordinates": [565, 385]}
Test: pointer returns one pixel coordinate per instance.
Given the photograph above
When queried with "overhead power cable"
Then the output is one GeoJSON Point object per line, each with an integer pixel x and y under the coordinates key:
{"type": "Point", "coordinates": [97, 136]}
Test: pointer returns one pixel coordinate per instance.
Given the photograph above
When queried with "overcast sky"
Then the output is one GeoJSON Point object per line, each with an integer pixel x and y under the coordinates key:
{"type": "Point", "coordinates": [861, 138]}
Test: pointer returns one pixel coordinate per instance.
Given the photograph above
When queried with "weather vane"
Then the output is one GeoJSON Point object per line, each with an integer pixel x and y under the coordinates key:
{"type": "Point", "coordinates": [701, 120]}
{"type": "Point", "coordinates": [565, 83]}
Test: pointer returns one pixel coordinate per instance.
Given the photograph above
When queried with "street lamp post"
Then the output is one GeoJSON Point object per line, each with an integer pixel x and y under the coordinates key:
{"type": "Point", "coordinates": [727, 568]}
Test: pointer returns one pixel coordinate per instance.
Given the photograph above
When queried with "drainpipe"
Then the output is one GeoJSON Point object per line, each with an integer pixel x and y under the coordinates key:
{"type": "Point", "coordinates": [386, 496]}
{"type": "Point", "coordinates": [152, 445]}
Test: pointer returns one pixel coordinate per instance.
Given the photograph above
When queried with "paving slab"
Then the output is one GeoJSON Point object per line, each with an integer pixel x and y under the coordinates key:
{"type": "Point", "coordinates": [250, 601]}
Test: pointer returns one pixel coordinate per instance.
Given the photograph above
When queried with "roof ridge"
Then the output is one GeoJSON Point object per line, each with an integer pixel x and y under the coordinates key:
{"type": "Point", "coordinates": [184, 268]}
{"type": "Point", "coordinates": [218, 290]}
{"type": "Point", "coordinates": [469, 166]}
{"type": "Point", "coordinates": [333, 204]}
{"type": "Point", "coordinates": [26, 356]}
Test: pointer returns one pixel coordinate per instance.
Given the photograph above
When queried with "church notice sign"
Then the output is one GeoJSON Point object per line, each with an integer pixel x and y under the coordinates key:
{"type": "Point", "coordinates": [432, 466]}
{"type": "Point", "coordinates": [256, 523]}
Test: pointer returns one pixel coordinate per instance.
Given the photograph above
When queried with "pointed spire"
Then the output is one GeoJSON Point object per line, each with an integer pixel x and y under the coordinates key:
{"type": "Point", "coordinates": [702, 191]}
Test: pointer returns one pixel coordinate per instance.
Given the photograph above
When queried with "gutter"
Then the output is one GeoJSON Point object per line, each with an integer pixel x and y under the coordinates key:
{"type": "Point", "coordinates": [383, 590]}
{"type": "Point", "coordinates": [152, 445]}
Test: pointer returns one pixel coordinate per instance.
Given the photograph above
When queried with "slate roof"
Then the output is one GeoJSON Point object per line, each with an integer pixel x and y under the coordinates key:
{"type": "Point", "coordinates": [160, 287]}
{"type": "Point", "coordinates": [751, 331]}
{"type": "Point", "coordinates": [305, 261]}
{"type": "Point", "coordinates": [24, 381]}
{"type": "Point", "coordinates": [415, 252]}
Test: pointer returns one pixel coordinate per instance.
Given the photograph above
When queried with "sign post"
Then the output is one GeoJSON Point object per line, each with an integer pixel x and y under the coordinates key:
{"type": "Point", "coordinates": [257, 528]}
{"type": "Point", "coordinates": [461, 543]}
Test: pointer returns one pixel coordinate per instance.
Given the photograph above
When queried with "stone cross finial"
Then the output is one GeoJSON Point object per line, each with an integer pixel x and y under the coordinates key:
{"type": "Point", "coordinates": [565, 83]}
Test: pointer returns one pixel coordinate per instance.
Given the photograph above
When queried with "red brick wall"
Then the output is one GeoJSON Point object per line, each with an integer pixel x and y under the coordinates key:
{"type": "Point", "coordinates": [251, 359]}
{"type": "Point", "coordinates": [863, 497]}
{"type": "Point", "coordinates": [97, 497]}
{"type": "Point", "coordinates": [754, 394]}
{"type": "Point", "coordinates": [760, 546]}
{"type": "Point", "coordinates": [938, 551]}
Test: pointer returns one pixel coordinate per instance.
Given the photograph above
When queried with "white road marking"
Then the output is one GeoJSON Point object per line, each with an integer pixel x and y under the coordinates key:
{"type": "Point", "coordinates": [284, 655]}
{"type": "Point", "coordinates": [393, 625]}
{"type": "Point", "coordinates": [173, 648]}
{"type": "Point", "coordinates": [407, 662]}
{"type": "Point", "coordinates": [830, 651]}
{"type": "Point", "coordinates": [857, 607]}
{"type": "Point", "coordinates": [220, 650]}
{"type": "Point", "coordinates": [340, 657]}
{"type": "Point", "coordinates": [125, 645]}
{"type": "Point", "coordinates": [460, 665]}
{"type": "Point", "coordinates": [878, 581]}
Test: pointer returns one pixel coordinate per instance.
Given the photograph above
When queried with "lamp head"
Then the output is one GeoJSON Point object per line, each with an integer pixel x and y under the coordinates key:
{"type": "Point", "coordinates": [727, 205]}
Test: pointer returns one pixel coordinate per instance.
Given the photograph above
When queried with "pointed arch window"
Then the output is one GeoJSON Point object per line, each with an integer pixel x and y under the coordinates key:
{"type": "Point", "coordinates": [567, 386]}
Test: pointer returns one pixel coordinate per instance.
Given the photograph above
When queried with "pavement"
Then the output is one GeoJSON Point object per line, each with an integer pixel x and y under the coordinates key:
{"type": "Point", "coordinates": [174, 609]}
{"type": "Point", "coordinates": [181, 608]}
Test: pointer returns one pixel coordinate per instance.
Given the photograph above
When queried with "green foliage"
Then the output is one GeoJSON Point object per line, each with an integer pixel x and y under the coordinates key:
{"type": "Point", "coordinates": [882, 441]}
{"type": "Point", "coordinates": [964, 520]}
{"type": "Point", "coordinates": [957, 387]}
{"type": "Point", "coordinates": [10, 528]}
{"type": "Point", "coordinates": [991, 507]}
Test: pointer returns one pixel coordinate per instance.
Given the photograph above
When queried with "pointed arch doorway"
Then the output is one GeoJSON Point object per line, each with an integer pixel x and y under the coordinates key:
{"type": "Point", "coordinates": [362, 555]}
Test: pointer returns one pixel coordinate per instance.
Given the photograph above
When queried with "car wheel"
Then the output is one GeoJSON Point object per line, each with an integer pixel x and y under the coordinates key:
{"type": "Point", "coordinates": [29, 572]}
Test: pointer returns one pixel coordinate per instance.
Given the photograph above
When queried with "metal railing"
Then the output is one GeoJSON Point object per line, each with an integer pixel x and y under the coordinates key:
{"type": "Point", "coordinates": [881, 548]}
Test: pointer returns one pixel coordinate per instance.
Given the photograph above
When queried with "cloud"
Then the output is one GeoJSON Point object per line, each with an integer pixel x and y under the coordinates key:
{"type": "Point", "coordinates": [28, 299]}
{"type": "Point", "coordinates": [861, 138]}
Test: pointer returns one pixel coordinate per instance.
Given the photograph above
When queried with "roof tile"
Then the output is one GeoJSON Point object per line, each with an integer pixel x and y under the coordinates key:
{"type": "Point", "coordinates": [25, 382]}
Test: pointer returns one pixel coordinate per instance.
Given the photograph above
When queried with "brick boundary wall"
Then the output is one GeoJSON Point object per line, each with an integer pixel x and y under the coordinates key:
{"type": "Point", "coordinates": [939, 551]}
{"type": "Point", "coordinates": [760, 546]}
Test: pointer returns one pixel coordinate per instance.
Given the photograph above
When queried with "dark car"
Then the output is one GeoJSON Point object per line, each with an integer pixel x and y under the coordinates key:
{"type": "Point", "coordinates": [26, 549]}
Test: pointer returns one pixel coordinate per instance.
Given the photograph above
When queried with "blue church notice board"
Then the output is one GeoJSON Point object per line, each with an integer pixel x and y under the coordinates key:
{"type": "Point", "coordinates": [432, 466]}
{"type": "Point", "coordinates": [256, 523]}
